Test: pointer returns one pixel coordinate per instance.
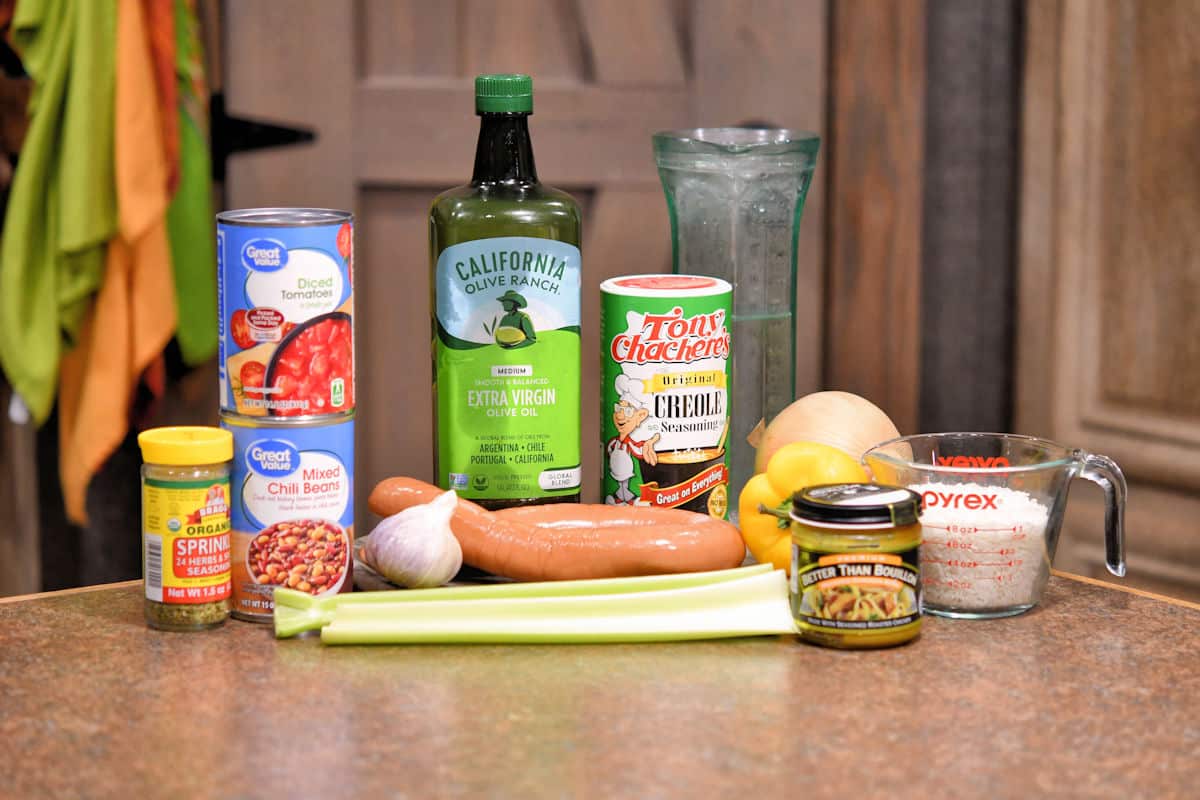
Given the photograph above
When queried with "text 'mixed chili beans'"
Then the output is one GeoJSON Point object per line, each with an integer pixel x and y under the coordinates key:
{"type": "Point", "coordinates": [292, 509]}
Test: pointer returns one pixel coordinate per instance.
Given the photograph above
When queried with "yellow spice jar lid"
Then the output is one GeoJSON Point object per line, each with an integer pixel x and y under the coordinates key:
{"type": "Point", "coordinates": [185, 445]}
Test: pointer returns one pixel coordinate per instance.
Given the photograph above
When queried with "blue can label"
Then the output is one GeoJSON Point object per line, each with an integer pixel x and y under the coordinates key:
{"type": "Point", "coordinates": [292, 510]}
{"type": "Point", "coordinates": [286, 307]}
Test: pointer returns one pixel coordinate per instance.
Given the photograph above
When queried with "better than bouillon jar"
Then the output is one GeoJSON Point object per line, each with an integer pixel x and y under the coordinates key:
{"type": "Point", "coordinates": [856, 575]}
{"type": "Point", "coordinates": [185, 526]}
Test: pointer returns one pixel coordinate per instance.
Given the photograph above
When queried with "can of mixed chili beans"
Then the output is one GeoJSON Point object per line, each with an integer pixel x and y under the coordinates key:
{"type": "Point", "coordinates": [292, 509]}
{"type": "Point", "coordinates": [285, 295]}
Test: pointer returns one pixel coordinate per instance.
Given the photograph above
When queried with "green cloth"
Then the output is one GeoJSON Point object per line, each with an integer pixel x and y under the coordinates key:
{"type": "Point", "coordinates": [62, 208]}
{"type": "Point", "coordinates": [190, 216]}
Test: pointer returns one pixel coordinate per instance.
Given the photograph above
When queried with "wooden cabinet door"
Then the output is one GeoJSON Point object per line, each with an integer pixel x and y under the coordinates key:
{"type": "Point", "coordinates": [388, 87]}
{"type": "Point", "coordinates": [1108, 334]}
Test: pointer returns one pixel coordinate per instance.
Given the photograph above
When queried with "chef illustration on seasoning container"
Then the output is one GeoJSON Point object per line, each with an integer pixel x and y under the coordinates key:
{"type": "Point", "coordinates": [628, 415]}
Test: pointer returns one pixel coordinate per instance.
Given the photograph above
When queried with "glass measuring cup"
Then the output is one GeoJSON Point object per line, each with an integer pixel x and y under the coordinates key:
{"type": "Point", "coordinates": [992, 507]}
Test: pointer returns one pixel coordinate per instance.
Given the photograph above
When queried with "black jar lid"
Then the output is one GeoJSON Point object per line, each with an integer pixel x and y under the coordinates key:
{"type": "Point", "coordinates": [856, 504]}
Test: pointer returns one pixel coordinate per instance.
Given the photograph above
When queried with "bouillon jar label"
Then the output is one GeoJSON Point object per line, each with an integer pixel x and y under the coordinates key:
{"type": "Point", "coordinates": [507, 368]}
{"type": "Point", "coordinates": [863, 591]}
{"type": "Point", "coordinates": [665, 391]}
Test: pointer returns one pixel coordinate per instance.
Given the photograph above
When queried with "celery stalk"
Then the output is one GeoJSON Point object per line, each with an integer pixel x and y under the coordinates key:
{"type": "Point", "coordinates": [754, 605]}
{"type": "Point", "coordinates": [297, 612]}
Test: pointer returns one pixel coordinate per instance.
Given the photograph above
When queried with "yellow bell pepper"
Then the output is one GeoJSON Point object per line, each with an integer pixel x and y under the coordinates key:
{"type": "Point", "coordinates": [766, 499]}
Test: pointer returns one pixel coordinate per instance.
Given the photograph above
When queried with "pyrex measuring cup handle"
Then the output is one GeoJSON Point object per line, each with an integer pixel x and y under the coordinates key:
{"type": "Point", "coordinates": [1104, 472]}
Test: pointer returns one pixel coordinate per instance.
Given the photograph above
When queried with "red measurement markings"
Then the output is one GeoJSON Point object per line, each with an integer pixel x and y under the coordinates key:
{"type": "Point", "coordinates": [968, 529]}
{"type": "Point", "coordinates": [950, 562]}
{"type": "Point", "coordinates": [958, 562]}
{"type": "Point", "coordinates": [949, 583]}
{"type": "Point", "coordinates": [963, 544]}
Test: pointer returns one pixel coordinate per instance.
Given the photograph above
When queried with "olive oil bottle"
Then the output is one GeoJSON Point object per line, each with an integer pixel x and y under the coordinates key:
{"type": "Point", "coordinates": [504, 255]}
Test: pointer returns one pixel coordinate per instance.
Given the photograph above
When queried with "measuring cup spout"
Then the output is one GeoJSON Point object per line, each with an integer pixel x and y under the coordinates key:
{"type": "Point", "coordinates": [1104, 472]}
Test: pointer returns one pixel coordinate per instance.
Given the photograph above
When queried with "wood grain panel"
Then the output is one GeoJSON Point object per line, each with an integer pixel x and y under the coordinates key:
{"type": "Point", "coordinates": [1109, 189]}
{"type": "Point", "coordinates": [1150, 167]}
{"type": "Point", "coordinates": [741, 43]}
{"type": "Point", "coordinates": [1101, 250]}
{"type": "Point", "coordinates": [1163, 554]}
{"type": "Point", "coordinates": [409, 37]}
{"type": "Point", "coordinates": [1033, 381]}
{"type": "Point", "coordinates": [284, 82]}
{"type": "Point", "coordinates": [536, 37]}
{"type": "Point", "coordinates": [633, 43]}
{"type": "Point", "coordinates": [395, 405]}
{"type": "Point", "coordinates": [874, 206]}
{"type": "Point", "coordinates": [583, 134]}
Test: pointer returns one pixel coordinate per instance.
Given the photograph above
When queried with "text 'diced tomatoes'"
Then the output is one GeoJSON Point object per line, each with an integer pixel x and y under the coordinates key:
{"type": "Point", "coordinates": [280, 271]}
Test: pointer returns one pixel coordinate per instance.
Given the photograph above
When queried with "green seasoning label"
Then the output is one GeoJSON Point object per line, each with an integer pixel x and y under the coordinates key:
{"type": "Point", "coordinates": [507, 368]}
{"type": "Point", "coordinates": [665, 393]}
{"type": "Point", "coordinates": [855, 591]}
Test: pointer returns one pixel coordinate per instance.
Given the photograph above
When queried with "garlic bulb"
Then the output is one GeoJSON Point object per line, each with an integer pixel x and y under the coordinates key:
{"type": "Point", "coordinates": [416, 548]}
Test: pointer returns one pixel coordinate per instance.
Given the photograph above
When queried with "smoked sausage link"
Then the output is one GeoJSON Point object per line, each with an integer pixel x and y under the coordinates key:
{"type": "Point", "coordinates": [569, 541]}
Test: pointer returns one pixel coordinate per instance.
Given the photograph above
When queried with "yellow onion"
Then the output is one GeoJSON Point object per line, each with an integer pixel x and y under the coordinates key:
{"type": "Point", "coordinates": [846, 421]}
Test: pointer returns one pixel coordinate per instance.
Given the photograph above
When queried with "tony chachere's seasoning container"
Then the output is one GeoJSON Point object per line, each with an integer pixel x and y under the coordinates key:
{"type": "Point", "coordinates": [185, 526]}
{"type": "Point", "coordinates": [856, 575]}
{"type": "Point", "coordinates": [665, 345]}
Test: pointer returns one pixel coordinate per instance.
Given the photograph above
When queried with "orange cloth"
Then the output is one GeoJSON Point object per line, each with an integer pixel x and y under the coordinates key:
{"type": "Point", "coordinates": [134, 314]}
{"type": "Point", "coordinates": [160, 31]}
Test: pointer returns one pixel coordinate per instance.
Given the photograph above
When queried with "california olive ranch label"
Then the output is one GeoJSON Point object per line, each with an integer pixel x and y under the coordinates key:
{"type": "Point", "coordinates": [507, 367]}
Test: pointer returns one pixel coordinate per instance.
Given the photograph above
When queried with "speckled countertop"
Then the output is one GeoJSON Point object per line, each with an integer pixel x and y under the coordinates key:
{"type": "Point", "coordinates": [1095, 693]}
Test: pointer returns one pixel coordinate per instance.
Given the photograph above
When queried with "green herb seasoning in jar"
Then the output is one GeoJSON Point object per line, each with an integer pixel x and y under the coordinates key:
{"type": "Point", "coordinates": [856, 574]}
{"type": "Point", "coordinates": [185, 526]}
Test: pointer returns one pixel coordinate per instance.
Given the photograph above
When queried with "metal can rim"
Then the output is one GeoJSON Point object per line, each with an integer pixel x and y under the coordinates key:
{"type": "Point", "coordinates": [719, 287]}
{"type": "Point", "coordinates": [319, 421]}
{"type": "Point", "coordinates": [282, 217]}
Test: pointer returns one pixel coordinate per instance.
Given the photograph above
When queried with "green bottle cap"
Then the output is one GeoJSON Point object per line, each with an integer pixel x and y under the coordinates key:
{"type": "Point", "coordinates": [504, 93]}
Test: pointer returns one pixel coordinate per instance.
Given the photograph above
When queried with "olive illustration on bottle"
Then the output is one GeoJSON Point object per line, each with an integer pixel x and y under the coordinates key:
{"type": "Point", "coordinates": [516, 327]}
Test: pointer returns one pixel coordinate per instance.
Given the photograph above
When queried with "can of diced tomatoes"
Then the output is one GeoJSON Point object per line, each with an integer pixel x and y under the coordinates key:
{"type": "Point", "coordinates": [292, 509]}
{"type": "Point", "coordinates": [665, 391]}
{"type": "Point", "coordinates": [285, 297]}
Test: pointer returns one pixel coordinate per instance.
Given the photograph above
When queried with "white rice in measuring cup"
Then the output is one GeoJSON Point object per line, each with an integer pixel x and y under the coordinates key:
{"type": "Point", "coordinates": [989, 557]}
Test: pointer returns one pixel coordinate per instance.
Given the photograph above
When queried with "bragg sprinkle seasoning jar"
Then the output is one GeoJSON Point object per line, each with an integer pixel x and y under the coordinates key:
{"type": "Point", "coordinates": [185, 526]}
{"type": "Point", "coordinates": [856, 576]}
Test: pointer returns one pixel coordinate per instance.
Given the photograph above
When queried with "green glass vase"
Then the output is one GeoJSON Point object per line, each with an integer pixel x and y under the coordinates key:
{"type": "Point", "coordinates": [735, 197]}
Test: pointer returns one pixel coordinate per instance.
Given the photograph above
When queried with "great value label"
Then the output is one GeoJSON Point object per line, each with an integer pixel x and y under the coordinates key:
{"type": "Point", "coordinates": [286, 304]}
{"type": "Point", "coordinates": [293, 510]}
